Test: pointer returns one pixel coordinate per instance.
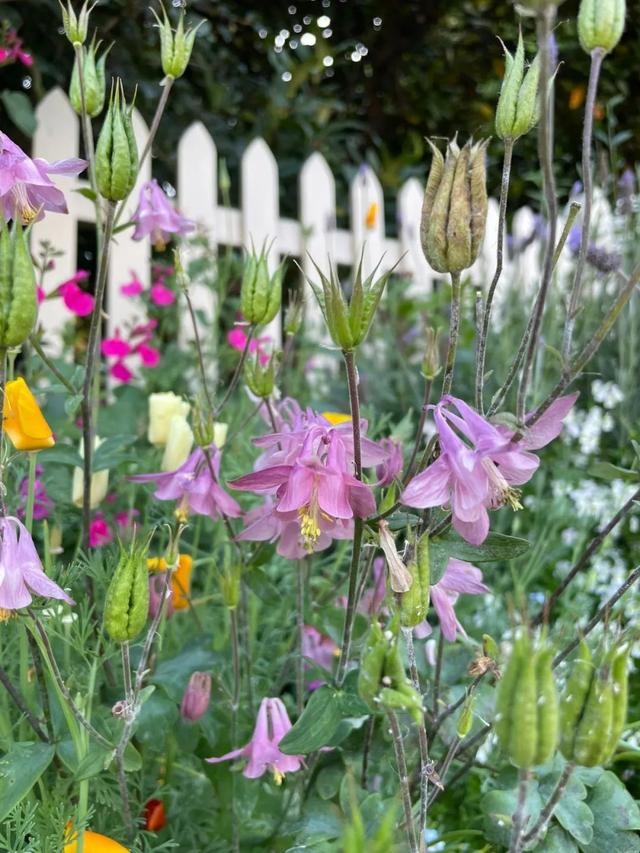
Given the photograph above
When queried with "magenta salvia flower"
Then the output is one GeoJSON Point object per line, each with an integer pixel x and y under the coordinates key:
{"type": "Point", "coordinates": [156, 217]}
{"type": "Point", "coordinates": [26, 190]}
{"type": "Point", "coordinates": [262, 751]}
{"type": "Point", "coordinates": [21, 571]}
{"type": "Point", "coordinates": [195, 699]}
{"type": "Point", "coordinates": [479, 464]}
{"type": "Point", "coordinates": [194, 485]}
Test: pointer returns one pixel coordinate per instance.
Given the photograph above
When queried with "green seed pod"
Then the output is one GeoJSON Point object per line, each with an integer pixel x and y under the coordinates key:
{"type": "Point", "coordinates": [372, 665]}
{"type": "Point", "coordinates": [490, 647]}
{"type": "Point", "coordinates": [127, 600]}
{"type": "Point", "coordinates": [93, 78]}
{"type": "Point", "coordinates": [116, 151]}
{"type": "Point", "coordinates": [260, 293]}
{"type": "Point", "coordinates": [259, 378]}
{"type": "Point", "coordinates": [518, 108]}
{"type": "Point", "coordinates": [293, 316]}
{"type": "Point", "coordinates": [230, 586]}
{"type": "Point", "coordinates": [454, 211]}
{"type": "Point", "coordinates": [175, 45]}
{"type": "Point", "coordinates": [593, 735]}
{"type": "Point", "coordinates": [573, 699]}
{"type": "Point", "coordinates": [75, 27]}
{"type": "Point", "coordinates": [431, 364]}
{"type": "Point", "coordinates": [620, 686]}
{"type": "Point", "coordinates": [414, 604]}
{"type": "Point", "coordinates": [505, 698]}
{"type": "Point", "coordinates": [523, 736]}
{"type": "Point", "coordinates": [548, 706]}
{"type": "Point", "coordinates": [601, 24]}
{"type": "Point", "coordinates": [466, 718]}
{"type": "Point", "coordinates": [18, 299]}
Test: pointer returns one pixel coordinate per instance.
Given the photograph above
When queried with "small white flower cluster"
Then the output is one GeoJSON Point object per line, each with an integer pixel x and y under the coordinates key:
{"type": "Point", "coordinates": [586, 427]}
{"type": "Point", "coordinates": [606, 393]}
{"type": "Point", "coordinates": [593, 499]}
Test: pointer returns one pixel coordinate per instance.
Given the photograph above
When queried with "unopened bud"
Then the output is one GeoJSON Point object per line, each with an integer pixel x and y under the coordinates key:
{"type": "Point", "coordinates": [454, 211]}
{"type": "Point", "coordinates": [518, 104]}
{"type": "Point", "coordinates": [76, 26]}
{"type": "Point", "coordinates": [431, 365]}
{"type": "Point", "coordinates": [466, 718]}
{"type": "Point", "coordinates": [195, 699]}
{"type": "Point", "coordinates": [400, 578]}
{"type": "Point", "coordinates": [414, 604]}
{"type": "Point", "coordinates": [229, 581]}
{"type": "Point", "coordinates": [175, 45]}
{"type": "Point", "coordinates": [260, 377]}
{"type": "Point", "coordinates": [202, 424]}
{"type": "Point", "coordinates": [116, 151]}
{"type": "Point", "coordinates": [93, 82]}
{"type": "Point", "coordinates": [18, 299]}
{"type": "Point", "coordinates": [601, 24]}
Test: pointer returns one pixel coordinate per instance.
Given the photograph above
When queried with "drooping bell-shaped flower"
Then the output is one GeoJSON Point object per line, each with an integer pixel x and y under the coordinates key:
{"type": "Point", "coordinates": [155, 217]}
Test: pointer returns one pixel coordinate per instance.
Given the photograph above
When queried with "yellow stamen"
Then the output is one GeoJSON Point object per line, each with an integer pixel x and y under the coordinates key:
{"type": "Point", "coordinates": [5, 614]}
{"type": "Point", "coordinates": [309, 527]}
{"type": "Point", "coordinates": [278, 776]}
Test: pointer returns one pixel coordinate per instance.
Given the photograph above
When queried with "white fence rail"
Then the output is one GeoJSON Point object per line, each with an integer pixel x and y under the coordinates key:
{"type": "Point", "coordinates": [313, 234]}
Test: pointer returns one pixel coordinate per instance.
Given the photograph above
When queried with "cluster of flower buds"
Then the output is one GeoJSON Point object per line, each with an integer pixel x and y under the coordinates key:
{"type": "Point", "coordinates": [454, 211]}
{"type": "Point", "coordinates": [18, 295]}
{"type": "Point", "coordinates": [593, 708]}
{"type": "Point", "coordinates": [349, 324]}
{"type": "Point", "coordinates": [92, 73]}
{"type": "Point", "coordinates": [382, 681]}
{"type": "Point", "coordinates": [601, 24]}
{"type": "Point", "coordinates": [76, 26]}
{"type": "Point", "coordinates": [175, 45]}
{"type": "Point", "coordinates": [527, 707]}
{"type": "Point", "coordinates": [260, 377]}
{"type": "Point", "coordinates": [116, 151]}
{"type": "Point", "coordinates": [127, 600]}
{"type": "Point", "coordinates": [518, 104]}
{"type": "Point", "coordinates": [260, 292]}
{"type": "Point", "coordinates": [414, 603]}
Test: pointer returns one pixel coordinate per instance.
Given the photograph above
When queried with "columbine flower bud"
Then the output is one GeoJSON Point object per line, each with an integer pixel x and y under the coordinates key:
{"type": "Point", "coordinates": [75, 27]}
{"type": "Point", "coordinates": [454, 211]}
{"type": "Point", "coordinates": [179, 443]}
{"type": "Point", "coordinates": [175, 45]}
{"type": "Point", "coordinates": [18, 296]}
{"type": "Point", "coordinates": [259, 377]}
{"type": "Point", "coordinates": [93, 79]}
{"type": "Point", "coordinates": [127, 601]}
{"type": "Point", "coordinates": [260, 293]}
{"type": "Point", "coordinates": [195, 699]}
{"type": "Point", "coordinates": [518, 104]}
{"type": "Point", "coordinates": [601, 24]}
{"type": "Point", "coordinates": [414, 604]}
{"type": "Point", "coordinates": [431, 365]}
{"type": "Point", "coordinates": [162, 408]}
{"type": "Point", "coordinates": [229, 581]}
{"type": "Point", "coordinates": [116, 151]}
{"type": "Point", "coordinates": [349, 324]}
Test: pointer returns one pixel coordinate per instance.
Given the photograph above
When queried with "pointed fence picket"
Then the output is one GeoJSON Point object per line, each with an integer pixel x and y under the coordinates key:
{"type": "Point", "coordinates": [257, 222]}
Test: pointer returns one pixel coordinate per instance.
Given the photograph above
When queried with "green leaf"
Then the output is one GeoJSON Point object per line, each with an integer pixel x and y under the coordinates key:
{"type": "Point", "coordinates": [87, 192]}
{"type": "Point", "coordinates": [20, 769]}
{"type": "Point", "coordinates": [328, 781]}
{"type": "Point", "coordinates": [557, 841]}
{"type": "Point", "coordinates": [93, 763]}
{"type": "Point", "coordinates": [64, 454]}
{"type": "Point", "coordinates": [316, 725]}
{"type": "Point", "coordinates": [20, 111]}
{"type": "Point", "coordinates": [173, 674]}
{"type": "Point", "coordinates": [617, 817]}
{"type": "Point", "coordinates": [495, 547]}
{"type": "Point", "coordinates": [576, 817]}
{"type": "Point", "coordinates": [607, 471]}
{"type": "Point", "coordinates": [110, 453]}
{"type": "Point", "coordinates": [72, 404]}
{"type": "Point", "coordinates": [132, 759]}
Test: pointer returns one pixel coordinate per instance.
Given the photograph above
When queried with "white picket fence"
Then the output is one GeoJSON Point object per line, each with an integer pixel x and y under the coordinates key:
{"type": "Point", "coordinates": [313, 235]}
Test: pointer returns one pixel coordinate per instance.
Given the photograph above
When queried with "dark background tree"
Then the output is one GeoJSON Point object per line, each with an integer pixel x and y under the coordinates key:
{"type": "Point", "coordinates": [379, 77]}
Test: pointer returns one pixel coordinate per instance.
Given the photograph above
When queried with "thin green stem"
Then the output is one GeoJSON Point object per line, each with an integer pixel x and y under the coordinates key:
{"type": "Point", "coordinates": [236, 375]}
{"type": "Point", "coordinates": [539, 828]}
{"type": "Point", "coordinates": [300, 572]}
{"type": "Point", "coordinates": [31, 481]}
{"type": "Point", "coordinates": [403, 779]}
{"type": "Point", "coordinates": [428, 385]}
{"type": "Point", "coordinates": [519, 814]}
{"type": "Point", "coordinates": [87, 134]}
{"type": "Point", "coordinates": [423, 741]}
{"type": "Point", "coordinates": [454, 333]}
{"type": "Point", "coordinates": [22, 706]}
{"type": "Point", "coordinates": [62, 379]}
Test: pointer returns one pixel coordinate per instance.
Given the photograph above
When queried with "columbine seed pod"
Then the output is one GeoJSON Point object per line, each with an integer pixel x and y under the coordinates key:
{"type": "Point", "coordinates": [293, 316]}
{"type": "Point", "coordinates": [601, 24]}
{"type": "Point", "coordinates": [414, 604]}
{"type": "Point", "coordinates": [548, 706]}
{"type": "Point", "coordinates": [620, 686]}
{"type": "Point", "coordinates": [593, 735]}
{"type": "Point", "coordinates": [372, 665]}
{"type": "Point", "coordinates": [260, 293]}
{"type": "Point", "coordinates": [431, 364]}
{"type": "Point", "coordinates": [454, 210]}
{"type": "Point", "coordinates": [518, 106]}
{"type": "Point", "coordinates": [75, 27]}
{"type": "Point", "coordinates": [465, 721]}
{"type": "Point", "coordinates": [127, 600]}
{"type": "Point", "coordinates": [93, 79]}
{"type": "Point", "coordinates": [18, 299]}
{"type": "Point", "coordinates": [574, 697]}
{"type": "Point", "coordinates": [260, 378]}
{"type": "Point", "coordinates": [116, 151]}
{"type": "Point", "coordinates": [175, 45]}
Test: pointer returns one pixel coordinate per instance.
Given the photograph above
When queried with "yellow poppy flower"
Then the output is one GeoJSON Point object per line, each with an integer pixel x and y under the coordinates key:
{"type": "Point", "coordinates": [180, 580]}
{"type": "Point", "coordinates": [24, 423]}
{"type": "Point", "coordinates": [335, 417]}
{"type": "Point", "coordinates": [372, 215]}
{"type": "Point", "coordinates": [96, 843]}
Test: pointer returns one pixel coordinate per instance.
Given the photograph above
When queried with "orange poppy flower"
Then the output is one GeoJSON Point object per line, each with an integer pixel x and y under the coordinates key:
{"type": "Point", "coordinates": [155, 817]}
{"type": "Point", "coordinates": [93, 842]}
{"type": "Point", "coordinates": [24, 423]}
{"type": "Point", "coordinates": [180, 580]}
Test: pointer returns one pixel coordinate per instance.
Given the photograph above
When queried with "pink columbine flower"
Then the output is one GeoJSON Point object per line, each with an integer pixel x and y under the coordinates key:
{"type": "Point", "coordinates": [195, 486]}
{"type": "Point", "coordinates": [161, 295]}
{"type": "Point", "coordinates": [388, 470]}
{"type": "Point", "coordinates": [40, 295]}
{"type": "Point", "coordinates": [99, 531]}
{"type": "Point", "coordinates": [479, 464]}
{"type": "Point", "coordinates": [262, 751]}
{"type": "Point", "coordinates": [42, 503]}
{"type": "Point", "coordinates": [115, 347]}
{"type": "Point", "coordinates": [195, 700]}
{"type": "Point", "coordinates": [26, 190]}
{"type": "Point", "coordinates": [320, 649]}
{"type": "Point", "coordinates": [21, 571]}
{"type": "Point", "coordinates": [459, 578]}
{"type": "Point", "coordinates": [156, 217]}
{"type": "Point", "coordinates": [133, 287]}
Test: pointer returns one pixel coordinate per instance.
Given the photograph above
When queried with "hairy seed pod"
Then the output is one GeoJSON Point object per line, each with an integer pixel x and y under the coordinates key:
{"type": "Point", "coordinates": [601, 24]}
{"type": "Point", "coordinates": [620, 686]}
{"type": "Point", "coordinates": [518, 108]}
{"type": "Point", "coordinates": [116, 150]}
{"type": "Point", "coordinates": [18, 298]}
{"type": "Point", "coordinates": [573, 699]}
{"type": "Point", "coordinates": [260, 292]}
{"type": "Point", "coordinates": [93, 79]}
{"type": "Point", "coordinates": [523, 737]}
{"type": "Point", "coordinates": [505, 698]}
{"type": "Point", "coordinates": [127, 599]}
{"type": "Point", "coordinates": [372, 665]}
{"type": "Point", "coordinates": [175, 45]}
{"type": "Point", "coordinates": [593, 736]}
{"type": "Point", "coordinates": [465, 720]}
{"type": "Point", "coordinates": [414, 604]}
{"type": "Point", "coordinates": [548, 707]}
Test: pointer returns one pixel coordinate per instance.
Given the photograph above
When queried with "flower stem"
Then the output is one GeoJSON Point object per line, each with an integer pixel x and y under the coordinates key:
{"type": "Point", "coordinates": [597, 57]}
{"type": "Point", "coordinates": [235, 702]}
{"type": "Point", "coordinates": [87, 134]}
{"type": "Point", "coordinates": [236, 375]}
{"type": "Point", "coordinates": [22, 706]}
{"type": "Point", "coordinates": [300, 626]}
{"type": "Point", "coordinates": [423, 741]}
{"type": "Point", "coordinates": [428, 385]}
{"type": "Point", "coordinates": [519, 815]}
{"type": "Point", "coordinates": [405, 793]}
{"type": "Point", "coordinates": [454, 333]}
{"type": "Point", "coordinates": [62, 379]}
{"type": "Point", "coordinates": [539, 828]}
{"type": "Point", "coordinates": [91, 360]}
{"type": "Point", "coordinates": [438, 675]}
{"type": "Point", "coordinates": [31, 480]}
{"type": "Point", "coordinates": [486, 317]}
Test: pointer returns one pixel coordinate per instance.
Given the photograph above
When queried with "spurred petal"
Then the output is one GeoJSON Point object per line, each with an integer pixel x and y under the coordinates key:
{"type": "Point", "coordinates": [549, 425]}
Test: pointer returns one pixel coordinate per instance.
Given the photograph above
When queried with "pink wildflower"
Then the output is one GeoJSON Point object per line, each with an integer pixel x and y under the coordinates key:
{"type": "Point", "coordinates": [121, 372]}
{"type": "Point", "coordinates": [262, 751]}
{"type": "Point", "coordinates": [162, 295]}
{"type": "Point", "coordinates": [237, 339]}
{"type": "Point", "coordinates": [195, 700]}
{"type": "Point", "coordinates": [99, 531]}
{"type": "Point", "coordinates": [133, 287]}
{"type": "Point", "coordinates": [320, 649]}
{"type": "Point", "coordinates": [156, 217]}
{"type": "Point", "coordinates": [115, 347]}
{"type": "Point", "coordinates": [149, 356]}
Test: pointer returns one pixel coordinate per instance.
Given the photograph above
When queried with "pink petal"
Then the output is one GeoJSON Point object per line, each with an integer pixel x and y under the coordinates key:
{"type": "Point", "coordinates": [549, 425]}
{"type": "Point", "coordinates": [430, 488]}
